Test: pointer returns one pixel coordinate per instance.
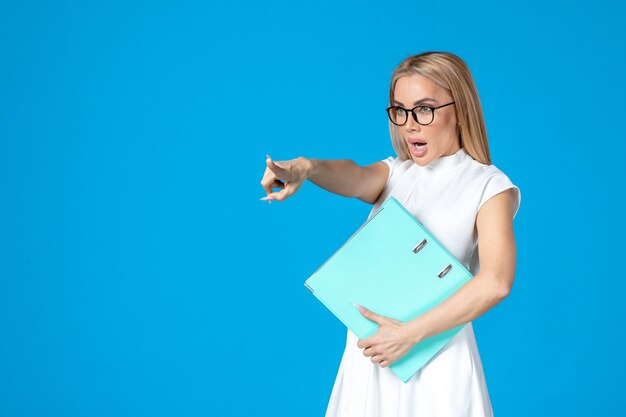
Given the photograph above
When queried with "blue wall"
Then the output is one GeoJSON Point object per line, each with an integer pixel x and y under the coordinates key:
{"type": "Point", "coordinates": [140, 275]}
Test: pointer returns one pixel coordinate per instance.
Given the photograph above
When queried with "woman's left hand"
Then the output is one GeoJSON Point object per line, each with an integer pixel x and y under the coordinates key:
{"type": "Point", "coordinates": [389, 343]}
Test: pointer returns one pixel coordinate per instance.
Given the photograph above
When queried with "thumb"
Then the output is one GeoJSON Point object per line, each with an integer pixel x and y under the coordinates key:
{"type": "Point", "coordinates": [370, 315]}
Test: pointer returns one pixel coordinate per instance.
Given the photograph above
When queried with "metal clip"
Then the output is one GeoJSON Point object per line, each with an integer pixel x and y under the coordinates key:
{"type": "Point", "coordinates": [420, 246]}
{"type": "Point", "coordinates": [444, 271]}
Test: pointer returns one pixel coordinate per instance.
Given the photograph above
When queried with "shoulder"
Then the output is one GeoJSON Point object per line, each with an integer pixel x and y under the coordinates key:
{"type": "Point", "coordinates": [482, 171]}
{"type": "Point", "coordinates": [488, 181]}
{"type": "Point", "coordinates": [394, 162]}
{"type": "Point", "coordinates": [397, 167]}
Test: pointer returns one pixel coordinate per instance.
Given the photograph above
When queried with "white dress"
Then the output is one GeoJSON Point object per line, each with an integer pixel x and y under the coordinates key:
{"type": "Point", "coordinates": [445, 197]}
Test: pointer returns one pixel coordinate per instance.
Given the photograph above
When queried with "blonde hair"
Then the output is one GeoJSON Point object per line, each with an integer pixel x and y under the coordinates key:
{"type": "Point", "coordinates": [450, 72]}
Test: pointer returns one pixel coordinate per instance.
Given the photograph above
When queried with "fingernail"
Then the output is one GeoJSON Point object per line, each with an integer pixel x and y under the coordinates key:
{"type": "Point", "coordinates": [358, 306]}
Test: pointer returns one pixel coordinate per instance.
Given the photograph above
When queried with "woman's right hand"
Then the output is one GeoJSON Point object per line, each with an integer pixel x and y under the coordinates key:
{"type": "Point", "coordinates": [288, 175]}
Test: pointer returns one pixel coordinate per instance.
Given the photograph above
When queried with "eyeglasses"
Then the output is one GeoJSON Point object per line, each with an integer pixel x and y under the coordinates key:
{"type": "Point", "coordinates": [424, 114]}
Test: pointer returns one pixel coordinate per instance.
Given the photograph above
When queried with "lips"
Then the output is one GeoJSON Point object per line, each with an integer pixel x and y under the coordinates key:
{"type": "Point", "coordinates": [413, 141]}
{"type": "Point", "coordinates": [417, 147]}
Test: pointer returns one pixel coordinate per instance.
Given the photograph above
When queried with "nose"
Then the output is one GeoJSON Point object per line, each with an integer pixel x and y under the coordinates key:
{"type": "Point", "coordinates": [411, 125]}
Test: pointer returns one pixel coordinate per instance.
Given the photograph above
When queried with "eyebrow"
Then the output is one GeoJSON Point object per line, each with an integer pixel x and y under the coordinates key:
{"type": "Point", "coordinates": [417, 102]}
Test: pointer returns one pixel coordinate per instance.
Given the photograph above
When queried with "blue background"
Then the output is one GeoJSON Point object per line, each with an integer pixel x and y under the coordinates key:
{"type": "Point", "coordinates": [140, 275]}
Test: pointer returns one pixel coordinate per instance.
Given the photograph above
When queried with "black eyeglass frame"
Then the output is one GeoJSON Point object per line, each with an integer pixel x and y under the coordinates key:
{"type": "Point", "coordinates": [432, 109]}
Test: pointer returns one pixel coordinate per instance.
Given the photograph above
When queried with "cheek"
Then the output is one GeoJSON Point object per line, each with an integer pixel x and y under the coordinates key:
{"type": "Point", "coordinates": [447, 121]}
{"type": "Point", "coordinates": [446, 128]}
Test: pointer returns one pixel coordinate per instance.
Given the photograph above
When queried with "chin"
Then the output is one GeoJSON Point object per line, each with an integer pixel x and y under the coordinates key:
{"type": "Point", "coordinates": [422, 161]}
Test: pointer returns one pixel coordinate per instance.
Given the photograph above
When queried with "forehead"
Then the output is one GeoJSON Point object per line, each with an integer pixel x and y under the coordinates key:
{"type": "Point", "coordinates": [411, 88]}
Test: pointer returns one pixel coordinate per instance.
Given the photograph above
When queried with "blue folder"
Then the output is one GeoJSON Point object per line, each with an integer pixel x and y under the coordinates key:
{"type": "Point", "coordinates": [394, 267]}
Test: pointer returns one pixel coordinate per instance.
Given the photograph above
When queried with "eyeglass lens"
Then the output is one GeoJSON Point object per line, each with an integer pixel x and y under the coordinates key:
{"type": "Point", "coordinates": [399, 115]}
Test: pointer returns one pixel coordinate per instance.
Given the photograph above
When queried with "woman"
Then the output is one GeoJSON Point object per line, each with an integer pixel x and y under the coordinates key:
{"type": "Point", "coordinates": [443, 175]}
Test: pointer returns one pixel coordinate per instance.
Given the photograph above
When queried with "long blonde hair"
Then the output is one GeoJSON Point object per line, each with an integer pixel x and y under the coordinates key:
{"type": "Point", "coordinates": [452, 73]}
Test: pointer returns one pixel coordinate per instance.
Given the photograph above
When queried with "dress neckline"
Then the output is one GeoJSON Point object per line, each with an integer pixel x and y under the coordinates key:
{"type": "Point", "coordinates": [445, 163]}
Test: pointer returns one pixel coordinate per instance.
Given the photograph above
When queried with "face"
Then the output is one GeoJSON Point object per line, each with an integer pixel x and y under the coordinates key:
{"type": "Point", "coordinates": [441, 137]}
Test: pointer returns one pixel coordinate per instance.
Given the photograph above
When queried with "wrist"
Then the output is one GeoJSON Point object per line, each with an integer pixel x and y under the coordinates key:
{"type": "Point", "coordinates": [415, 330]}
{"type": "Point", "coordinates": [310, 167]}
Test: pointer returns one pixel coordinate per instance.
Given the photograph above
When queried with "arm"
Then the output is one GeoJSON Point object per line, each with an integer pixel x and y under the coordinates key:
{"type": "Point", "coordinates": [496, 248]}
{"type": "Point", "coordinates": [342, 177]}
{"type": "Point", "coordinates": [346, 178]}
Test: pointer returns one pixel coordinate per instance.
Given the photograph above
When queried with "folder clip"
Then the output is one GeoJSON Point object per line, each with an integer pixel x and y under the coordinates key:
{"type": "Point", "coordinates": [444, 271]}
{"type": "Point", "coordinates": [420, 246]}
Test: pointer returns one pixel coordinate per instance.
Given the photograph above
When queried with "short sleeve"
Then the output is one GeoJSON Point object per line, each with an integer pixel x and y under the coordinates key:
{"type": "Point", "coordinates": [495, 184]}
{"type": "Point", "coordinates": [391, 162]}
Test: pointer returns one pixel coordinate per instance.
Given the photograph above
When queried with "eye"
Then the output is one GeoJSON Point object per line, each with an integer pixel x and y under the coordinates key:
{"type": "Point", "coordinates": [399, 111]}
{"type": "Point", "coordinates": [424, 109]}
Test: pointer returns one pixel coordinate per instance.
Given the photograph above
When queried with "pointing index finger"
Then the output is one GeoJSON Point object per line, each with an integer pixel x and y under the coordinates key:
{"type": "Point", "coordinates": [277, 169]}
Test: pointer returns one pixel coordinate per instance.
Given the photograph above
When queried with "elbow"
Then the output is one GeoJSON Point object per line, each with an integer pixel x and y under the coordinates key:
{"type": "Point", "coordinates": [500, 286]}
{"type": "Point", "coordinates": [503, 289]}
{"type": "Point", "coordinates": [503, 292]}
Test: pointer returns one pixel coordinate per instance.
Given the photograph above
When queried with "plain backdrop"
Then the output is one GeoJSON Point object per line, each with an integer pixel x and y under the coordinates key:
{"type": "Point", "coordinates": [140, 275]}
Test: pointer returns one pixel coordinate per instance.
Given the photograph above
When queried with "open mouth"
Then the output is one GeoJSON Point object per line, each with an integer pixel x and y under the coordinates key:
{"type": "Point", "coordinates": [418, 148]}
{"type": "Point", "coordinates": [418, 145]}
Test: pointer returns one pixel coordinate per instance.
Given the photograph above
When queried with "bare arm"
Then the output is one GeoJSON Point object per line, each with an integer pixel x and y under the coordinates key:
{"type": "Point", "coordinates": [343, 177]}
{"type": "Point", "coordinates": [346, 178]}
{"type": "Point", "coordinates": [496, 246]}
